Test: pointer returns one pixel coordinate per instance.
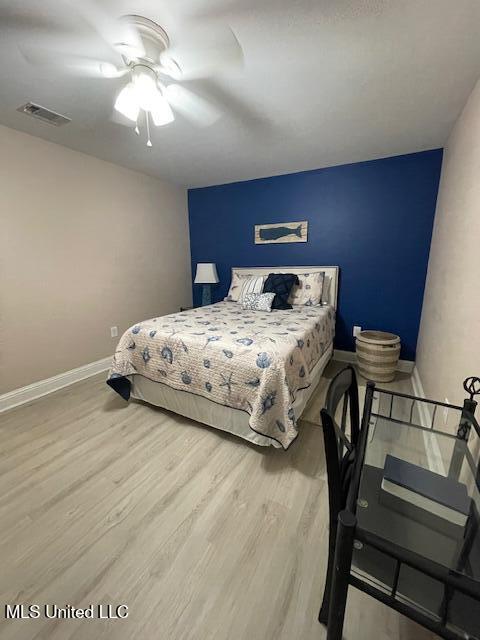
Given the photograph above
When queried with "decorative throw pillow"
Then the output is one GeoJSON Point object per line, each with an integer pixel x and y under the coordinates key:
{"type": "Point", "coordinates": [252, 284]}
{"type": "Point", "coordinates": [235, 287]}
{"type": "Point", "coordinates": [309, 289]}
{"type": "Point", "coordinates": [280, 284]}
{"type": "Point", "coordinates": [258, 301]}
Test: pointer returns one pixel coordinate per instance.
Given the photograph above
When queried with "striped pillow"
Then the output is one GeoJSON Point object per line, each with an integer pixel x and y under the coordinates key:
{"type": "Point", "coordinates": [236, 287]}
{"type": "Point", "coordinates": [253, 284]}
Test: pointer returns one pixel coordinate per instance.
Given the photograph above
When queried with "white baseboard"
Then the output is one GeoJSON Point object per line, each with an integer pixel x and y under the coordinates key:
{"type": "Point", "coordinates": [404, 366]}
{"type": "Point", "coordinates": [417, 385]}
{"type": "Point", "coordinates": [43, 387]}
{"type": "Point", "coordinates": [432, 448]}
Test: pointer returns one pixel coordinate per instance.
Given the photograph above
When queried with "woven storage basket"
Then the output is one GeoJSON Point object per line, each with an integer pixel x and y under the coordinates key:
{"type": "Point", "coordinates": [377, 355]}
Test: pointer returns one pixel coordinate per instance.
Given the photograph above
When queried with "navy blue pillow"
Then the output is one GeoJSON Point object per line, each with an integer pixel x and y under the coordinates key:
{"type": "Point", "coordinates": [280, 284]}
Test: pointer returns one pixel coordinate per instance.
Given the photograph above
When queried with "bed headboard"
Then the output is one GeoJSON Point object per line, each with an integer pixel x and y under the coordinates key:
{"type": "Point", "coordinates": [330, 272]}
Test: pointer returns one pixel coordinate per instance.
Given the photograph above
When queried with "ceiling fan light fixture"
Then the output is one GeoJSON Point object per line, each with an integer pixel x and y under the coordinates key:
{"type": "Point", "coordinates": [161, 112]}
{"type": "Point", "coordinates": [149, 95]}
{"type": "Point", "coordinates": [127, 103]}
{"type": "Point", "coordinates": [145, 85]}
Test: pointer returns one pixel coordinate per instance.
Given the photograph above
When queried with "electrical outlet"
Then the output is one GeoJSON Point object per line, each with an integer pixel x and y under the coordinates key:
{"type": "Point", "coordinates": [356, 330]}
{"type": "Point", "coordinates": [113, 332]}
{"type": "Point", "coordinates": [445, 411]}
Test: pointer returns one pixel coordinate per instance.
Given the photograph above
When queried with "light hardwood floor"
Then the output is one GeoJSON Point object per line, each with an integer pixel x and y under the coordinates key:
{"type": "Point", "coordinates": [202, 535]}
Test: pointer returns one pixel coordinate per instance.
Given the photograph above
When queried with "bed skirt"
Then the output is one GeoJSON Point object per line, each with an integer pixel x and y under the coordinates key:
{"type": "Point", "coordinates": [216, 415]}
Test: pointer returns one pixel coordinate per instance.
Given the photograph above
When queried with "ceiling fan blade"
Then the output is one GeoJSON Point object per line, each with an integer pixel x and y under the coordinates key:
{"type": "Point", "coordinates": [227, 8]}
{"type": "Point", "coordinates": [201, 57]}
{"type": "Point", "coordinates": [57, 17]}
{"type": "Point", "coordinates": [236, 106]}
{"type": "Point", "coordinates": [118, 32]}
{"type": "Point", "coordinates": [36, 16]}
{"type": "Point", "coordinates": [193, 107]}
{"type": "Point", "coordinates": [70, 63]}
{"type": "Point", "coordinates": [22, 23]}
{"type": "Point", "coordinates": [331, 11]}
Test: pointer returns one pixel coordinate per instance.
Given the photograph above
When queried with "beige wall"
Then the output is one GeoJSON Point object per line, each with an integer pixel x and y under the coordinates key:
{"type": "Point", "coordinates": [449, 342]}
{"type": "Point", "coordinates": [84, 245]}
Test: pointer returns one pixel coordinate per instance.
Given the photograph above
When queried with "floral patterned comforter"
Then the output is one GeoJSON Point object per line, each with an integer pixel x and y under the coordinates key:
{"type": "Point", "coordinates": [249, 360]}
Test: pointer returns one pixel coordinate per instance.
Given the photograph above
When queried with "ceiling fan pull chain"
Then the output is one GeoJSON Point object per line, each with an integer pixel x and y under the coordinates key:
{"type": "Point", "coordinates": [149, 142]}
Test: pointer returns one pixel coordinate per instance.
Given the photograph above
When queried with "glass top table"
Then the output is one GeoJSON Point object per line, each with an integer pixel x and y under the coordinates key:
{"type": "Point", "coordinates": [404, 553]}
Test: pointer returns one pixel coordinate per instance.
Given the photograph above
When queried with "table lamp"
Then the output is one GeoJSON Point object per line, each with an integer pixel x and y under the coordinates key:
{"type": "Point", "coordinates": [206, 275]}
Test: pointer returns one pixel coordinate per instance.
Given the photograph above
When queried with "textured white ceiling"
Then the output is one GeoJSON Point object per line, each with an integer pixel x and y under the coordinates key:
{"type": "Point", "coordinates": [325, 82]}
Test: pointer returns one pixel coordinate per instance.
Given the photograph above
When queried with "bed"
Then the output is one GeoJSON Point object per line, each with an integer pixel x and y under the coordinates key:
{"type": "Point", "coordinates": [250, 373]}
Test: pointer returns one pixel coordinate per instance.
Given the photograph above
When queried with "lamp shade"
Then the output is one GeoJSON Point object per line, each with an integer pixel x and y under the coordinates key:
{"type": "Point", "coordinates": [206, 273]}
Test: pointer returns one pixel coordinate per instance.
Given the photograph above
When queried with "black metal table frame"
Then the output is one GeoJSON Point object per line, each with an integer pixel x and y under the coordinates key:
{"type": "Point", "coordinates": [348, 532]}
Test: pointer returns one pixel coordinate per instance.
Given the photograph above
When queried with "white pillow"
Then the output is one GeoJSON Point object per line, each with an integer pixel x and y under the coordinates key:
{"type": "Point", "coordinates": [252, 284]}
{"type": "Point", "coordinates": [309, 290]}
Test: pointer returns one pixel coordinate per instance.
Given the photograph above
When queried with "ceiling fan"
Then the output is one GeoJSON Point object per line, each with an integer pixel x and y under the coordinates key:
{"type": "Point", "coordinates": [152, 67]}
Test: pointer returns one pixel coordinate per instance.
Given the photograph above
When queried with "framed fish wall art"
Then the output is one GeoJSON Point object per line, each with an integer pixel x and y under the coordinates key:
{"type": "Point", "coordinates": [281, 232]}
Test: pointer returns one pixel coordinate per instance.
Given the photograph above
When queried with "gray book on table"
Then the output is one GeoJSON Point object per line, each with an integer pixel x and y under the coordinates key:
{"type": "Point", "coordinates": [441, 496]}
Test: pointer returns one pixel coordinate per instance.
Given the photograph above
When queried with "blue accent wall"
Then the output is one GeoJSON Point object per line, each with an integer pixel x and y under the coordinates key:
{"type": "Point", "coordinates": [373, 219]}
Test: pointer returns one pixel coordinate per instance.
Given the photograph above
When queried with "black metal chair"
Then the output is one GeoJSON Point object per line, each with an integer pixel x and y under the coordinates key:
{"type": "Point", "coordinates": [340, 457]}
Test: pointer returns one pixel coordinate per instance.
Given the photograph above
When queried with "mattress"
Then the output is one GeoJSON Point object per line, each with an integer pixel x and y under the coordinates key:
{"type": "Point", "coordinates": [250, 361]}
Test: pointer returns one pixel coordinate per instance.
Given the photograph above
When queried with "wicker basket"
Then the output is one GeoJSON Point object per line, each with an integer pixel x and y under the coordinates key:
{"type": "Point", "coordinates": [377, 355]}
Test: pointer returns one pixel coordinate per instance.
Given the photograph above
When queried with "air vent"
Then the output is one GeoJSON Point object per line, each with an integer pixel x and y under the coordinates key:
{"type": "Point", "coordinates": [43, 114]}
